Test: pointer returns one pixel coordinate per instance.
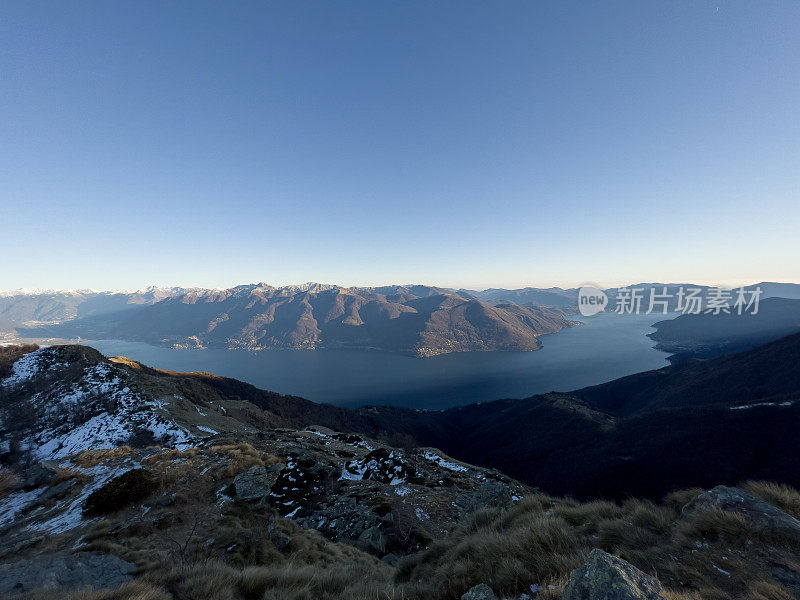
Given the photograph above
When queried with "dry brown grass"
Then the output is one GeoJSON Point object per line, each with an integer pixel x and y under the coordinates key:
{"type": "Point", "coordinates": [92, 458]}
{"type": "Point", "coordinates": [782, 496]}
{"type": "Point", "coordinates": [242, 457]}
{"type": "Point", "coordinates": [767, 590]}
{"type": "Point", "coordinates": [171, 455]}
{"type": "Point", "coordinates": [310, 567]}
{"type": "Point", "coordinates": [587, 515]}
{"type": "Point", "coordinates": [128, 362]}
{"type": "Point", "coordinates": [676, 500]}
{"type": "Point", "coordinates": [286, 581]}
{"type": "Point", "coordinates": [133, 590]}
{"type": "Point", "coordinates": [716, 524]}
{"type": "Point", "coordinates": [539, 540]}
{"type": "Point", "coordinates": [508, 551]}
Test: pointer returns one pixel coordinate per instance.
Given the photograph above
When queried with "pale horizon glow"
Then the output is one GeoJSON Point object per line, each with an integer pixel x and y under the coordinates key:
{"type": "Point", "coordinates": [463, 144]}
{"type": "Point", "coordinates": [605, 286]}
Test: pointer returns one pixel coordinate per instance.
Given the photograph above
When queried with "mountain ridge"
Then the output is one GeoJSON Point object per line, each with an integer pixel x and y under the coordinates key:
{"type": "Point", "coordinates": [419, 320]}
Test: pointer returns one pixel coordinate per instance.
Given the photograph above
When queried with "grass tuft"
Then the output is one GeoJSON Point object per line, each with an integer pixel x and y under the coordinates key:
{"type": "Point", "coordinates": [783, 496]}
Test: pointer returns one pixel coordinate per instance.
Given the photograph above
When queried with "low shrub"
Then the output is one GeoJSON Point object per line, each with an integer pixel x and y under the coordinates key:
{"type": "Point", "coordinates": [11, 354]}
{"type": "Point", "coordinates": [129, 488]}
{"type": "Point", "coordinates": [8, 480]}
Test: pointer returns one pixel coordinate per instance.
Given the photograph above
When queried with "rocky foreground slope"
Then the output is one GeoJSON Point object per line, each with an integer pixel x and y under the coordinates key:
{"type": "Point", "coordinates": [158, 485]}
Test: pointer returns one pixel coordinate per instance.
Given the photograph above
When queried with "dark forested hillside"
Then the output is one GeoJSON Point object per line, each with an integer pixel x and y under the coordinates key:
{"type": "Point", "coordinates": [709, 335]}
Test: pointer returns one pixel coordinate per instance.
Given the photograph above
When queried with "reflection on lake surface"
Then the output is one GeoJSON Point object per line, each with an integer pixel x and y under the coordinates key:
{"type": "Point", "coordinates": [605, 347]}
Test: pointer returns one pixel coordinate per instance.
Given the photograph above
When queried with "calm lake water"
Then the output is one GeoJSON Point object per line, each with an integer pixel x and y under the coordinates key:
{"type": "Point", "coordinates": [603, 348]}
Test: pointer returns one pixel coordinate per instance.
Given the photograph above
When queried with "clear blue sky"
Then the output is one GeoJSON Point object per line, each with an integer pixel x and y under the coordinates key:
{"type": "Point", "coordinates": [459, 143]}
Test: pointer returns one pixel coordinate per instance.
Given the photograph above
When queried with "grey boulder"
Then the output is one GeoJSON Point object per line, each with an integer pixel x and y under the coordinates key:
{"type": "Point", "coordinates": [479, 592]}
{"type": "Point", "coordinates": [372, 540]}
{"type": "Point", "coordinates": [758, 513]}
{"type": "Point", "coordinates": [36, 475]}
{"type": "Point", "coordinates": [607, 577]}
{"type": "Point", "coordinates": [255, 483]}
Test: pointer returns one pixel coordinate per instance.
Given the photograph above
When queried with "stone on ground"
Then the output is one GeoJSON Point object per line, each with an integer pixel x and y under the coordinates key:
{"type": "Point", "coordinates": [479, 592]}
{"type": "Point", "coordinates": [760, 514]}
{"type": "Point", "coordinates": [607, 577]}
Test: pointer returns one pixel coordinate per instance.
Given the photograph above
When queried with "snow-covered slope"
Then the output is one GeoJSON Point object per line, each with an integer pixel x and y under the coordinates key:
{"type": "Point", "coordinates": [60, 401]}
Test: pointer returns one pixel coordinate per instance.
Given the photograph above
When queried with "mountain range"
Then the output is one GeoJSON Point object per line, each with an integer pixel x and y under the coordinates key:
{"type": "Point", "coordinates": [419, 320]}
{"type": "Point", "coordinates": [414, 319]}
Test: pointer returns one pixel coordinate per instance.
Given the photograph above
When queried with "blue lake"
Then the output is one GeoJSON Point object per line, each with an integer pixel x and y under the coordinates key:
{"type": "Point", "coordinates": [605, 347]}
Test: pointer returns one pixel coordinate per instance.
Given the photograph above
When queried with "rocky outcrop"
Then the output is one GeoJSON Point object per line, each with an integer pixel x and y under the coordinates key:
{"type": "Point", "coordinates": [607, 577]}
{"type": "Point", "coordinates": [758, 513]}
{"type": "Point", "coordinates": [82, 569]}
{"type": "Point", "coordinates": [36, 475]}
{"type": "Point", "coordinates": [372, 540]}
{"type": "Point", "coordinates": [256, 483]}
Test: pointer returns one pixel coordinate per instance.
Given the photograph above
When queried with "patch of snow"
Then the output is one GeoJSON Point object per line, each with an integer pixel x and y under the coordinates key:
{"type": "Point", "coordinates": [101, 431]}
{"type": "Point", "coordinates": [373, 469]}
{"type": "Point", "coordinates": [319, 433]}
{"type": "Point", "coordinates": [358, 475]}
{"type": "Point", "coordinates": [15, 503]}
{"type": "Point", "coordinates": [723, 571]}
{"type": "Point", "coordinates": [72, 515]}
{"type": "Point", "coordinates": [206, 429]}
{"type": "Point", "coordinates": [95, 410]}
{"type": "Point", "coordinates": [759, 404]}
{"type": "Point", "coordinates": [451, 466]}
{"type": "Point", "coordinates": [27, 367]}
